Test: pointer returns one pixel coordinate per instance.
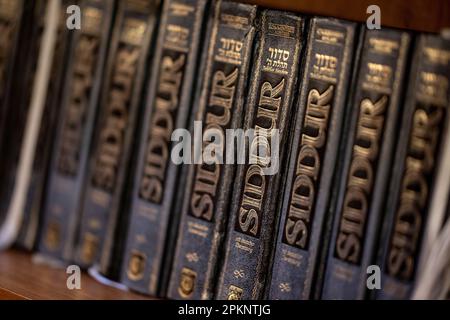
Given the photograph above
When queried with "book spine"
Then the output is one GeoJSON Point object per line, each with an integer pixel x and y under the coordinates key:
{"type": "Point", "coordinates": [18, 97]}
{"type": "Point", "coordinates": [429, 282]}
{"type": "Point", "coordinates": [10, 20]}
{"type": "Point", "coordinates": [72, 143]}
{"type": "Point", "coordinates": [12, 13]}
{"type": "Point", "coordinates": [254, 203]}
{"type": "Point", "coordinates": [115, 238]}
{"type": "Point", "coordinates": [426, 110]}
{"type": "Point", "coordinates": [38, 183]}
{"type": "Point", "coordinates": [367, 163]}
{"type": "Point", "coordinates": [314, 149]}
{"type": "Point", "coordinates": [169, 101]}
{"type": "Point", "coordinates": [439, 207]}
{"type": "Point", "coordinates": [113, 140]}
{"type": "Point", "coordinates": [324, 243]}
{"type": "Point", "coordinates": [204, 212]}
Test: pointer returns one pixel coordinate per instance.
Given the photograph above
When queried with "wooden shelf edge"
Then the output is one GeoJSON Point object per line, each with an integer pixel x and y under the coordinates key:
{"type": "Point", "coordinates": [21, 278]}
{"type": "Point", "coordinates": [419, 15]}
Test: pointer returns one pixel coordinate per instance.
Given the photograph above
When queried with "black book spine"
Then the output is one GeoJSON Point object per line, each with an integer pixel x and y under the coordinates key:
{"type": "Point", "coordinates": [116, 233]}
{"type": "Point", "coordinates": [10, 20]}
{"type": "Point", "coordinates": [253, 207]}
{"type": "Point", "coordinates": [438, 213]}
{"type": "Point", "coordinates": [220, 106]}
{"type": "Point", "coordinates": [426, 110]}
{"type": "Point", "coordinates": [113, 141]}
{"type": "Point", "coordinates": [12, 14]}
{"type": "Point", "coordinates": [19, 96]}
{"type": "Point", "coordinates": [38, 183]}
{"type": "Point", "coordinates": [72, 140]}
{"type": "Point", "coordinates": [375, 109]}
{"type": "Point", "coordinates": [322, 102]}
{"type": "Point", "coordinates": [170, 94]}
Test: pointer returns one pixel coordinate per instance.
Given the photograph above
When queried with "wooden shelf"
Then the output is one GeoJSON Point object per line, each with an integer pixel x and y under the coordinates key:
{"type": "Point", "coordinates": [21, 278]}
{"type": "Point", "coordinates": [419, 15]}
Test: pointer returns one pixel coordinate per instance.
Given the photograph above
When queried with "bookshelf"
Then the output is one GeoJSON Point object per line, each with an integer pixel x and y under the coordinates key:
{"type": "Point", "coordinates": [21, 278]}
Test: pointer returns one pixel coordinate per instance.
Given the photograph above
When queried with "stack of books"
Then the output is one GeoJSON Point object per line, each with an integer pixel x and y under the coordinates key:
{"type": "Point", "coordinates": [196, 149]}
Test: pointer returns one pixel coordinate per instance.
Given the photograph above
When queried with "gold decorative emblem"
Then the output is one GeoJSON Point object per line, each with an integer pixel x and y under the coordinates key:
{"type": "Point", "coordinates": [53, 236]}
{"type": "Point", "coordinates": [89, 248]}
{"type": "Point", "coordinates": [136, 266]}
{"type": "Point", "coordinates": [187, 282]}
{"type": "Point", "coordinates": [234, 293]}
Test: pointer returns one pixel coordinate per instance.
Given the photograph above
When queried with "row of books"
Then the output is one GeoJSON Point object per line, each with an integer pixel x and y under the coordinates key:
{"type": "Point", "coordinates": [362, 123]}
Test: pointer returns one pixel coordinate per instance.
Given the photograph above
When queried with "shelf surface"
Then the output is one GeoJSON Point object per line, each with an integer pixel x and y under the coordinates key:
{"type": "Point", "coordinates": [419, 15]}
{"type": "Point", "coordinates": [21, 278]}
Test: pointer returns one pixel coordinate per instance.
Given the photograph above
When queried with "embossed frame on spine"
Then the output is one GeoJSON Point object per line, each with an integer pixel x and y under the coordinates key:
{"type": "Point", "coordinates": [72, 144]}
{"type": "Point", "coordinates": [317, 130]}
{"type": "Point", "coordinates": [426, 111]}
{"type": "Point", "coordinates": [155, 197]}
{"type": "Point", "coordinates": [113, 140]}
{"type": "Point", "coordinates": [372, 134]}
{"type": "Point", "coordinates": [251, 224]}
{"type": "Point", "coordinates": [208, 188]}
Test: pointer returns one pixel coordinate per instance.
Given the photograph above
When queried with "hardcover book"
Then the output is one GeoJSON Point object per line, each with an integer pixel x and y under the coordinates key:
{"type": "Point", "coordinates": [154, 198]}
{"type": "Point", "coordinates": [314, 148]}
{"type": "Point", "coordinates": [257, 185]}
{"type": "Point", "coordinates": [72, 143]}
{"type": "Point", "coordinates": [11, 20]}
{"type": "Point", "coordinates": [426, 110]}
{"type": "Point", "coordinates": [16, 100]}
{"type": "Point", "coordinates": [366, 171]}
{"type": "Point", "coordinates": [209, 185]}
{"type": "Point", "coordinates": [113, 141]}
{"type": "Point", "coordinates": [432, 267]}
{"type": "Point", "coordinates": [38, 183]}
{"type": "Point", "coordinates": [439, 209]}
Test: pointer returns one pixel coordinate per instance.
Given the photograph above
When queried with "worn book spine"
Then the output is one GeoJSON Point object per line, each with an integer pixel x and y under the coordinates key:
{"type": "Point", "coordinates": [257, 184]}
{"type": "Point", "coordinates": [72, 140]}
{"type": "Point", "coordinates": [426, 109]}
{"type": "Point", "coordinates": [314, 146]}
{"type": "Point", "coordinates": [209, 186]}
{"type": "Point", "coordinates": [31, 101]}
{"type": "Point", "coordinates": [38, 183]}
{"type": "Point", "coordinates": [439, 207]}
{"type": "Point", "coordinates": [359, 209]}
{"type": "Point", "coordinates": [432, 268]}
{"type": "Point", "coordinates": [18, 97]}
{"type": "Point", "coordinates": [116, 233]}
{"type": "Point", "coordinates": [113, 140]}
{"type": "Point", "coordinates": [168, 104]}
{"type": "Point", "coordinates": [11, 21]}
{"type": "Point", "coordinates": [324, 243]}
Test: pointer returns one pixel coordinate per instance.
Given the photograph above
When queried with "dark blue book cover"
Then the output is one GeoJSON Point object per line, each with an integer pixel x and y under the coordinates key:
{"type": "Point", "coordinates": [113, 140]}
{"type": "Point", "coordinates": [257, 190]}
{"type": "Point", "coordinates": [74, 131]}
{"type": "Point", "coordinates": [34, 205]}
{"type": "Point", "coordinates": [425, 112]}
{"type": "Point", "coordinates": [154, 196]}
{"type": "Point", "coordinates": [371, 137]}
{"type": "Point", "coordinates": [209, 186]}
{"type": "Point", "coordinates": [314, 148]}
